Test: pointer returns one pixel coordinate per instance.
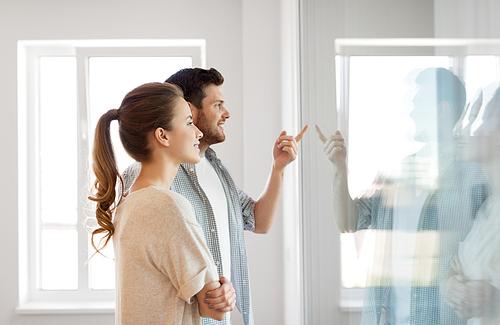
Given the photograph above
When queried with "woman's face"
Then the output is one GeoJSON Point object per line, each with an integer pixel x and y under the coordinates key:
{"type": "Point", "coordinates": [184, 137]}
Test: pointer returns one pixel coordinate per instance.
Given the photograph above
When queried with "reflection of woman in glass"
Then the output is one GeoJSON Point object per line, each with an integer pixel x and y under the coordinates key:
{"type": "Point", "coordinates": [162, 261]}
{"type": "Point", "coordinates": [472, 285]}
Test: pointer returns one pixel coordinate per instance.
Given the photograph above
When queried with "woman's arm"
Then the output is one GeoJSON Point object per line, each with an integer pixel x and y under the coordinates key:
{"type": "Point", "coordinates": [223, 298]}
{"type": "Point", "coordinates": [205, 310]}
{"type": "Point", "coordinates": [454, 290]}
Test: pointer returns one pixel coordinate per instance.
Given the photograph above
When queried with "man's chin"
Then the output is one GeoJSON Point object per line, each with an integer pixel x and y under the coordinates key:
{"type": "Point", "coordinates": [422, 137]}
{"type": "Point", "coordinates": [212, 141]}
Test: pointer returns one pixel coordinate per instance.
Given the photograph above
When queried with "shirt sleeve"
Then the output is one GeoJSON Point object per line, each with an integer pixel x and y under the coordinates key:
{"type": "Point", "coordinates": [368, 211]}
{"type": "Point", "coordinates": [247, 210]}
{"type": "Point", "coordinates": [363, 206]}
{"type": "Point", "coordinates": [130, 174]}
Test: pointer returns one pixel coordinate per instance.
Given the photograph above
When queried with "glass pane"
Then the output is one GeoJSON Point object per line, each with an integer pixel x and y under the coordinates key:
{"type": "Point", "coordinates": [58, 191]}
{"type": "Point", "coordinates": [110, 79]}
{"type": "Point", "coordinates": [480, 72]}
{"type": "Point", "coordinates": [59, 259]}
{"type": "Point", "coordinates": [381, 93]}
{"type": "Point", "coordinates": [59, 218]}
{"type": "Point", "coordinates": [58, 136]}
{"type": "Point", "coordinates": [357, 258]}
{"type": "Point", "coordinates": [102, 275]}
{"type": "Point", "coordinates": [419, 161]}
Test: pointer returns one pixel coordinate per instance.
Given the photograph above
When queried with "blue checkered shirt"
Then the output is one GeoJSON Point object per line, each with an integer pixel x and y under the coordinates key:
{"type": "Point", "coordinates": [241, 209]}
{"type": "Point", "coordinates": [450, 210]}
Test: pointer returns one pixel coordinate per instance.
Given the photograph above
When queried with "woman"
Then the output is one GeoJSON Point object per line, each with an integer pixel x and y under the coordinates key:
{"type": "Point", "coordinates": [162, 261]}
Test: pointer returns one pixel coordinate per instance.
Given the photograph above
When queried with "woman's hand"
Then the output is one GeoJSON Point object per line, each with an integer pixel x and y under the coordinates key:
{"type": "Point", "coordinates": [222, 299]}
{"type": "Point", "coordinates": [216, 298]}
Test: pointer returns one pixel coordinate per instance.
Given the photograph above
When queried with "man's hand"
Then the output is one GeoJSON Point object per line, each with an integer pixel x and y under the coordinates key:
{"type": "Point", "coordinates": [286, 148]}
{"type": "Point", "coordinates": [334, 147]}
{"type": "Point", "coordinates": [223, 298]}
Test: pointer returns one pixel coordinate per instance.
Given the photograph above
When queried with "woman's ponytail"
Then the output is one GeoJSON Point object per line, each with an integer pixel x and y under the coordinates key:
{"type": "Point", "coordinates": [106, 173]}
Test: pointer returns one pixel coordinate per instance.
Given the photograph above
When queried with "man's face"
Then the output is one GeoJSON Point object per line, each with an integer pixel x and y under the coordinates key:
{"type": "Point", "coordinates": [210, 119]}
{"type": "Point", "coordinates": [424, 114]}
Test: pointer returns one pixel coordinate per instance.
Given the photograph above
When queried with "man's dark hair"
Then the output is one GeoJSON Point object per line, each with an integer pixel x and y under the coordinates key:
{"type": "Point", "coordinates": [193, 82]}
{"type": "Point", "coordinates": [448, 87]}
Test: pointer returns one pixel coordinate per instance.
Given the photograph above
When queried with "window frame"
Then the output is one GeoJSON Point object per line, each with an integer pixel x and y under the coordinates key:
{"type": "Point", "coordinates": [31, 299]}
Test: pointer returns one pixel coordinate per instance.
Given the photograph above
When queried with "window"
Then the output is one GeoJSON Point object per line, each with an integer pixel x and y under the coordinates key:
{"type": "Point", "coordinates": [375, 92]}
{"type": "Point", "coordinates": [371, 107]}
{"type": "Point", "coordinates": [64, 88]}
{"type": "Point", "coordinates": [379, 104]}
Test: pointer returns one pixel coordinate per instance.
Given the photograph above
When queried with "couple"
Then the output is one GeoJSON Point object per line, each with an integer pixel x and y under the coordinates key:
{"type": "Point", "coordinates": [173, 262]}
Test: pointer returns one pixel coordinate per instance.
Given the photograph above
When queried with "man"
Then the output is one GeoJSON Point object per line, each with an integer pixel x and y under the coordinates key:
{"type": "Point", "coordinates": [420, 215]}
{"type": "Point", "coordinates": [223, 210]}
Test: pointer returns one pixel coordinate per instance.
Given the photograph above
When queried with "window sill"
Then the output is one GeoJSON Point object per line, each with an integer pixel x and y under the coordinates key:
{"type": "Point", "coordinates": [60, 307]}
{"type": "Point", "coordinates": [351, 305]}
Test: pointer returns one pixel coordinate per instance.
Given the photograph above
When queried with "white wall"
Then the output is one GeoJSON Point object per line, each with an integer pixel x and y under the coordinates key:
{"type": "Point", "coordinates": [261, 95]}
{"type": "Point", "coordinates": [243, 40]}
{"type": "Point", "coordinates": [467, 18]}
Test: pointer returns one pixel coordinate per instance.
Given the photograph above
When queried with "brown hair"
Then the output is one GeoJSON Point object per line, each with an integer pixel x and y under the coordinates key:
{"type": "Point", "coordinates": [193, 82]}
{"type": "Point", "coordinates": [141, 112]}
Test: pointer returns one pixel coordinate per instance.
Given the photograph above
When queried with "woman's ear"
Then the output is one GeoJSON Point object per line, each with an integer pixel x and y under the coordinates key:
{"type": "Point", "coordinates": [161, 136]}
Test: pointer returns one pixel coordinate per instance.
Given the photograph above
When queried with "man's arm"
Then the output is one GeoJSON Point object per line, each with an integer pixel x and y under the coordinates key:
{"type": "Point", "coordinates": [286, 149]}
{"type": "Point", "coordinates": [344, 208]}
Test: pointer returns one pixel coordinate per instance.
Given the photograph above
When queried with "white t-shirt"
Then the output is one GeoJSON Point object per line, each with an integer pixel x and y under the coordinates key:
{"type": "Point", "coordinates": [410, 196]}
{"type": "Point", "coordinates": [211, 185]}
{"type": "Point", "coordinates": [404, 235]}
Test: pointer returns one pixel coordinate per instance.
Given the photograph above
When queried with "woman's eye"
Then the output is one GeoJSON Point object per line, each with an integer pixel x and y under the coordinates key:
{"type": "Point", "coordinates": [190, 123]}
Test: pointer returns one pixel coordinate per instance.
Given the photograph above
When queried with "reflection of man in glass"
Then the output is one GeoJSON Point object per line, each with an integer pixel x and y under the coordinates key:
{"type": "Point", "coordinates": [420, 213]}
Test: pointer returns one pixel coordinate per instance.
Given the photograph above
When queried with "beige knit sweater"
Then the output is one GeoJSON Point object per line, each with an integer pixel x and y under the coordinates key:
{"type": "Point", "coordinates": [161, 257]}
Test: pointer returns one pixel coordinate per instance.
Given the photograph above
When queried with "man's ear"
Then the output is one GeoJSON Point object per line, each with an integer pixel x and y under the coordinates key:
{"type": "Point", "coordinates": [161, 136]}
{"type": "Point", "coordinates": [444, 109]}
{"type": "Point", "coordinates": [194, 112]}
